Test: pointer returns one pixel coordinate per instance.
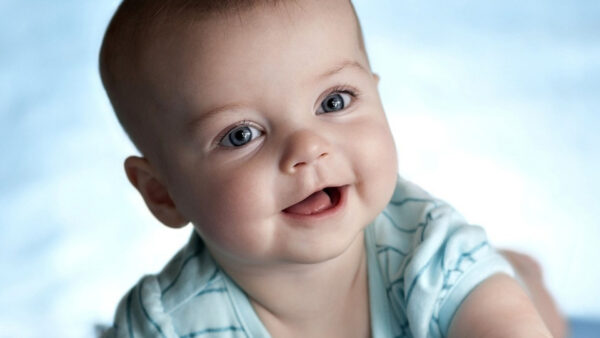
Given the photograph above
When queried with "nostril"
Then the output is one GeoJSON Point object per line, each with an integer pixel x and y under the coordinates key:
{"type": "Point", "coordinates": [299, 164]}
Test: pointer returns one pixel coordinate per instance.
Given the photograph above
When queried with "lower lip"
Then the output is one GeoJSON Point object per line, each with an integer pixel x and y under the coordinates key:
{"type": "Point", "coordinates": [343, 190]}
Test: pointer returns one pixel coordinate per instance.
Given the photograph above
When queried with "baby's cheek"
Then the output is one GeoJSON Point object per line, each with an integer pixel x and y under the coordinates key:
{"type": "Point", "coordinates": [378, 161]}
{"type": "Point", "coordinates": [225, 227]}
{"type": "Point", "coordinates": [378, 149]}
{"type": "Point", "coordinates": [236, 201]}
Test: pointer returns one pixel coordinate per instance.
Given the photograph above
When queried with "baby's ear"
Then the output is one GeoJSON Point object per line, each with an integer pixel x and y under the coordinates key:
{"type": "Point", "coordinates": [144, 178]}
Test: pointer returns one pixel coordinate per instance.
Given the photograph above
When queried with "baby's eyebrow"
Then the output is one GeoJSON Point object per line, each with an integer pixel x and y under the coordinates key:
{"type": "Point", "coordinates": [193, 122]}
{"type": "Point", "coordinates": [341, 66]}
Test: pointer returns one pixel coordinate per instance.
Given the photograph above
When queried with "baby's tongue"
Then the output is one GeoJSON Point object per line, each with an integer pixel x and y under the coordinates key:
{"type": "Point", "coordinates": [313, 204]}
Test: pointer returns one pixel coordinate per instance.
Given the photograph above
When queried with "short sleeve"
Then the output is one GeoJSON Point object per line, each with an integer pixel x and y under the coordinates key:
{"type": "Point", "coordinates": [432, 259]}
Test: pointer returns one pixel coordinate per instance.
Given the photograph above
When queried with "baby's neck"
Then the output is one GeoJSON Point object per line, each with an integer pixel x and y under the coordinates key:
{"type": "Point", "coordinates": [329, 299]}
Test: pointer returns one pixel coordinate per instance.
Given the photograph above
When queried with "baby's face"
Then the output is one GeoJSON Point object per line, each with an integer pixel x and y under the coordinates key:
{"type": "Point", "coordinates": [275, 145]}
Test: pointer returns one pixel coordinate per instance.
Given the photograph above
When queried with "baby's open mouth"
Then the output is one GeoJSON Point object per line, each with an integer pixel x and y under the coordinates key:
{"type": "Point", "coordinates": [317, 202]}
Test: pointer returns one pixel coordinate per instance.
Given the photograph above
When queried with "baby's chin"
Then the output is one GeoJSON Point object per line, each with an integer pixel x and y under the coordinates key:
{"type": "Point", "coordinates": [324, 252]}
{"type": "Point", "coordinates": [299, 252]}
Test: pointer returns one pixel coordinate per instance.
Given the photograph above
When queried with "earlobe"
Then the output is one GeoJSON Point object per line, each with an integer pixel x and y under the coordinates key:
{"type": "Point", "coordinates": [144, 178]}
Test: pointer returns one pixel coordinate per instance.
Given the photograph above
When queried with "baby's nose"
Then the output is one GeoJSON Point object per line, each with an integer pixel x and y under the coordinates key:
{"type": "Point", "coordinates": [303, 148]}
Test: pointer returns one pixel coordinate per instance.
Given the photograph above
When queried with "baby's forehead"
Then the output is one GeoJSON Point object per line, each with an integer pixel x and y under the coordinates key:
{"type": "Point", "coordinates": [222, 51]}
{"type": "Point", "coordinates": [203, 26]}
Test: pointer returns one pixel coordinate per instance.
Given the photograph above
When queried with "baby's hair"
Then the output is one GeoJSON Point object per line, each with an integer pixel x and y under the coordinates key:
{"type": "Point", "coordinates": [134, 25]}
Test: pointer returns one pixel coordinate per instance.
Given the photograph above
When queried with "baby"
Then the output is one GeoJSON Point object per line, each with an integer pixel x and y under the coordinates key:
{"type": "Point", "coordinates": [259, 122]}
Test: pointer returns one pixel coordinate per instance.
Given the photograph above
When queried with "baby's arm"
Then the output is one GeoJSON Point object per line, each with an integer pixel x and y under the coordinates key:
{"type": "Point", "coordinates": [498, 307]}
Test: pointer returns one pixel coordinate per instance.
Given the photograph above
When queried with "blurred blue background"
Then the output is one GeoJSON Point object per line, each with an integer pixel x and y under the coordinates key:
{"type": "Point", "coordinates": [503, 96]}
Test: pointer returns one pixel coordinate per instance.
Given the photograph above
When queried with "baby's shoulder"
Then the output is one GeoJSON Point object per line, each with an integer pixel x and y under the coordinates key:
{"type": "Point", "coordinates": [189, 296]}
{"type": "Point", "coordinates": [408, 216]}
{"type": "Point", "coordinates": [429, 258]}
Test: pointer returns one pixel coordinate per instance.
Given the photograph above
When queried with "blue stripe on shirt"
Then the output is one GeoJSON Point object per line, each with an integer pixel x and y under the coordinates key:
{"type": "Point", "coordinates": [205, 291]}
{"type": "Point", "coordinates": [385, 248]}
{"type": "Point", "coordinates": [129, 321]}
{"type": "Point", "coordinates": [185, 261]}
{"type": "Point", "coordinates": [213, 330]}
{"type": "Point", "coordinates": [412, 199]}
{"type": "Point", "coordinates": [387, 215]}
{"type": "Point", "coordinates": [146, 312]}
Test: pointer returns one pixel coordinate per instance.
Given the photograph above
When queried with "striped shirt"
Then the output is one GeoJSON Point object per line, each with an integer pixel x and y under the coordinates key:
{"type": "Point", "coordinates": [423, 259]}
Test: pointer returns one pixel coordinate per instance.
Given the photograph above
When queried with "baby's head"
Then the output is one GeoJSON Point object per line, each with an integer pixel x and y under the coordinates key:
{"type": "Point", "coordinates": [259, 122]}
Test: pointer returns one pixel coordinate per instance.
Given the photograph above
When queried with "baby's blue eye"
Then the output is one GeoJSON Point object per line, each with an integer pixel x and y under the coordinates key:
{"type": "Point", "coordinates": [334, 102]}
{"type": "Point", "coordinates": [240, 136]}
